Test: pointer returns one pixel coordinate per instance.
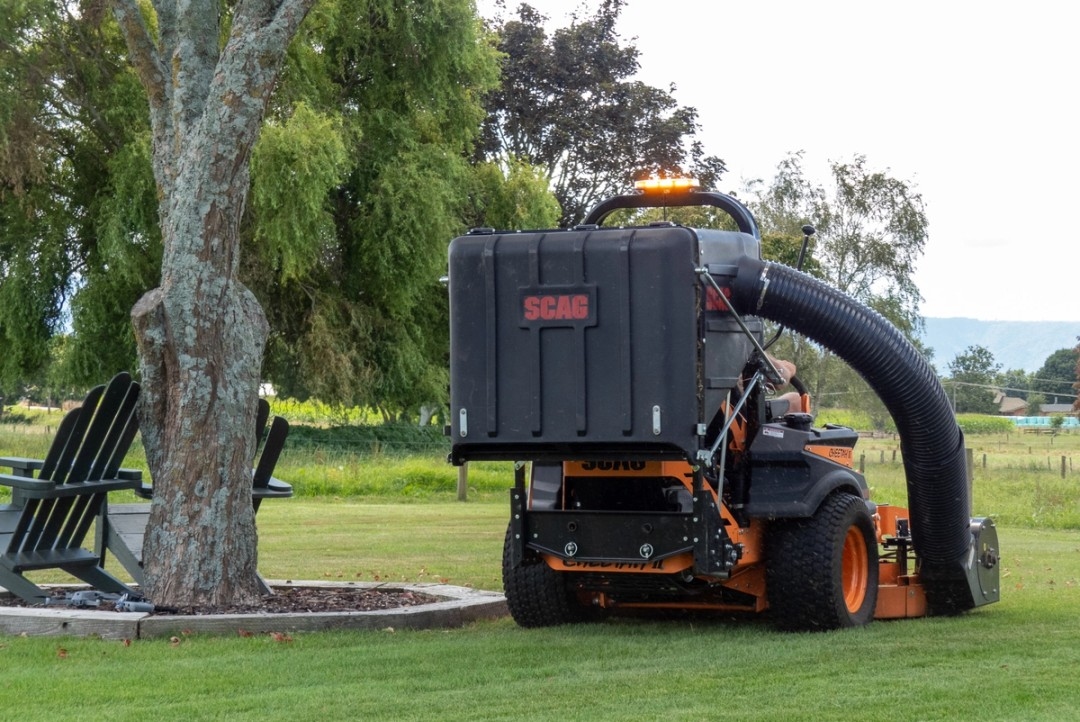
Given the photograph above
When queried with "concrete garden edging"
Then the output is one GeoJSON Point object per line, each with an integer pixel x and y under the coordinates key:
{"type": "Point", "coordinates": [456, 607]}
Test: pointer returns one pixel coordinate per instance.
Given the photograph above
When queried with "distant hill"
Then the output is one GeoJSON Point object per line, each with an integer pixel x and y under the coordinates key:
{"type": "Point", "coordinates": [1015, 344]}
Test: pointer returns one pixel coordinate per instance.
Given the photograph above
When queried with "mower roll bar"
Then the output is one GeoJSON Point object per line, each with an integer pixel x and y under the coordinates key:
{"type": "Point", "coordinates": [743, 218]}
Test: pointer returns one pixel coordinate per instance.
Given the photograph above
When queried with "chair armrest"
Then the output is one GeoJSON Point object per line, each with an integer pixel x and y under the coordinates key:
{"type": "Point", "coordinates": [16, 481]}
{"type": "Point", "coordinates": [275, 489]}
{"type": "Point", "coordinates": [135, 474]}
{"type": "Point", "coordinates": [47, 489]}
{"type": "Point", "coordinates": [20, 465]}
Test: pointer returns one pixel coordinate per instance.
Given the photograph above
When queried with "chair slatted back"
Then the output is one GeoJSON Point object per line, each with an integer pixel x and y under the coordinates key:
{"type": "Point", "coordinates": [262, 415]}
{"type": "Point", "coordinates": [275, 442]}
{"type": "Point", "coordinates": [68, 436]}
{"type": "Point", "coordinates": [90, 445]}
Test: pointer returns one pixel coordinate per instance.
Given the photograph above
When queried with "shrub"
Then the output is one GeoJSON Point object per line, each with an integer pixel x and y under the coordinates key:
{"type": "Point", "coordinates": [982, 424]}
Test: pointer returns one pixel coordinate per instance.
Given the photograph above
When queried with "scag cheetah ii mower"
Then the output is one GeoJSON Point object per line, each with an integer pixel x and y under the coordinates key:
{"type": "Point", "coordinates": [623, 368]}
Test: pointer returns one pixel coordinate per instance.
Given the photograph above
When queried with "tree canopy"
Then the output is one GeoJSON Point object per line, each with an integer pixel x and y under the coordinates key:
{"type": "Point", "coordinates": [74, 172]}
{"type": "Point", "coordinates": [971, 381]}
{"type": "Point", "coordinates": [870, 231]}
{"type": "Point", "coordinates": [1076, 375]}
{"type": "Point", "coordinates": [360, 177]}
{"type": "Point", "coordinates": [1056, 377]}
{"type": "Point", "coordinates": [391, 102]}
{"type": "Point", "coordinates": [568, 105]}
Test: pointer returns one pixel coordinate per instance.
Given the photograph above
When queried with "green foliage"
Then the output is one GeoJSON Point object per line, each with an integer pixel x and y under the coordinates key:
{"type": "Point", "coordinates": [972, 424]}
{"type": "Point", "coordinates": [1057, 375]}
{"type": "Point", "coordinates": [359, 181]}
{"type": "Point", "coordinates": [568, 104]}
{"type": "Point", "coordinates": [294, 167]}
{"type": "Point", "coordinates": [370, 438]}
{"type": "Point", "coordinates": [515, 198]}
{"type": "Point", "coordinates": [71, 114]}
{"type": "Point", "coordinates": [363, 320]}
{"type": "Point", "coordinates": [971, 379]}
{"type": "Point", "coordinates": [1035, 403]}
{"type": "Point", "coordinates": [1016, 383]}
{"type": "Point", "coordinates": [871, 231]}
{"type": "Point", "coordinates": [853, 419]}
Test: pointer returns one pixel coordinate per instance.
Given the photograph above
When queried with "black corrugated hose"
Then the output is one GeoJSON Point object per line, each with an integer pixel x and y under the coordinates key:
{"type": "Point", "coordinates": [933, 444]}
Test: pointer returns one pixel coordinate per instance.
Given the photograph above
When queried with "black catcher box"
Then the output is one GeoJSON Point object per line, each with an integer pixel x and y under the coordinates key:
{"type": "Point", "coordinates": [574, 344]}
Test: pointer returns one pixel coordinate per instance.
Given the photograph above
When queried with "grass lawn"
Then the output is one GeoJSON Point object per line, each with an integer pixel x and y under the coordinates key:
{"type": "Point", "coordinates": [1018, 659]}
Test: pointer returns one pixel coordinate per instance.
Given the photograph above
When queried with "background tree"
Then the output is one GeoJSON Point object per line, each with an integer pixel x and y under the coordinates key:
{"type": "Point", "coordinates": [72, 116]}
{"type": "Point", "coordinates": [357, 311]}
{"type": "Point", "coordinates": [1035, 403]}
{"type": "Point", "coordinates": [1015, 382]}
{"type": "Point", "coordinates": [871, 230]}
{"type": "Point", "coordinates": [1057, 375]}
{"type": "Point", "coordinates": [1076, 375]}
{"type": "Point", "coordinates": [970, 382]}
{"type": "Point", "coordinates": [512, 196]}
{"type": "Point", "coordinates": [566, 105]}
{"type": "Point", "coordinates": [359, 180]}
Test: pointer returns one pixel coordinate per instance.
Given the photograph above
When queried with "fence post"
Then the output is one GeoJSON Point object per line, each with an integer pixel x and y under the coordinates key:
{"type": "Point", "coordinates": [1063, 467]}
{"type": "Point", "coordinates": [463, 481]}
{"type": "Point", "coordinates": [970, 453]}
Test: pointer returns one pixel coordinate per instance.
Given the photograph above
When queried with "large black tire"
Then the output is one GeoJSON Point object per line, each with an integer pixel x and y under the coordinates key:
{"type": "Point", "coordinates": [536, 594]}
{"type": "Point", "coordinates": [822, 572]}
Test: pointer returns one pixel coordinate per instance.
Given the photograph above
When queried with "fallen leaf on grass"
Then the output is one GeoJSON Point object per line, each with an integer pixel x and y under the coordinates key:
{"type": "Point", "coordinates": [174, 641]}
{"type": "Point", "coordinates": [279, 637]}
{"type": "Point", "coordinates": [245, 633]}
{"type": "Point", "coordinates": [61, 653]}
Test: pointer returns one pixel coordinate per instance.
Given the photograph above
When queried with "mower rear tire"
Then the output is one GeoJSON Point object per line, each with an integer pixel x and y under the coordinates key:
{"type": "Point", "coordinates": [536, 594]}
{"type": "Point", "coordinates": [822, 572]}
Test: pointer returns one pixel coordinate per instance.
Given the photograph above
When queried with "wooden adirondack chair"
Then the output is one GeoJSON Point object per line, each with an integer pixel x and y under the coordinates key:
{"type": "Point", "coordinates": [121, 528]}
{"type": "Point", "coordinates": [50, 515]}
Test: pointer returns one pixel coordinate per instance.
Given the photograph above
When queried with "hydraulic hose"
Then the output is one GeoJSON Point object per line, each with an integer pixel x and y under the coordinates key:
{"type": "Point", "coordinates": [933, 444]}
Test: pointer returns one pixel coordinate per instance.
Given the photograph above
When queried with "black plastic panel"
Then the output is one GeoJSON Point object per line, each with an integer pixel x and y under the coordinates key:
{"type": "Point", "coordinates": [573, 344]}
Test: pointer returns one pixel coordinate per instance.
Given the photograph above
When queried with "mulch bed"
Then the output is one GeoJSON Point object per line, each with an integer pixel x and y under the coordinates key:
{"type": "Point", "coordinates": [284, 600]}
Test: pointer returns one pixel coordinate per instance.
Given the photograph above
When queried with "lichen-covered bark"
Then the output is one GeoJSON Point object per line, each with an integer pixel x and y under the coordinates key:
{"type": "Point", "coordinates": [201, 333]}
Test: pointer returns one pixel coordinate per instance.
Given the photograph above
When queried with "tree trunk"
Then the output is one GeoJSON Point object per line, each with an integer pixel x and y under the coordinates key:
{"type": "Point", "coordinates": [200, 386]}
{"type": "Point", "coordinates": [201, 333]}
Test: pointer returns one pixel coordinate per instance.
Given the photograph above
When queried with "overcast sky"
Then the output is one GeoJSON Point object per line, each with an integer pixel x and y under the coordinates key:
{"type": "Point", "coordinates": [974, 103]}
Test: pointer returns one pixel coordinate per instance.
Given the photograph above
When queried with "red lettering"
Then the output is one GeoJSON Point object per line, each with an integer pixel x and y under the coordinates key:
{"type": "Point", "coordinates": [563, 310]}
{"type": "Point", "coordinates": [556, 307]}
{"type": "Point", "coordinates": [581, 307]}
{"type": "Point", "coordinates": [532, 308]}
